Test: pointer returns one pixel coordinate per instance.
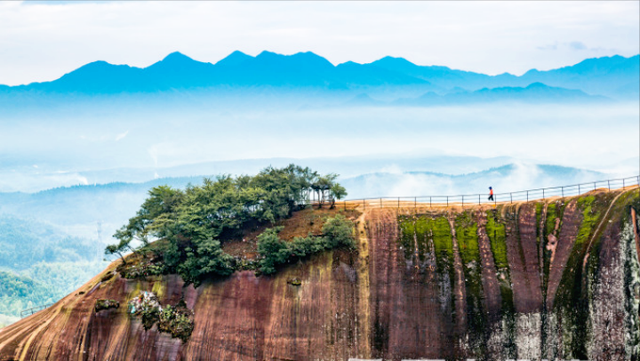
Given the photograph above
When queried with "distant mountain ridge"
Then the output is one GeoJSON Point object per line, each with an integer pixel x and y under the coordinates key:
{"type": "Point", "coordinates": [615, 76]}
{"type": "Point", "coordinates": [534, 92]}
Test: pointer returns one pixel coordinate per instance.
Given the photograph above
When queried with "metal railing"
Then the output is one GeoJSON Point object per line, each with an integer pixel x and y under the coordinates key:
{"type": "Point", "coordinates": [479, 199]}
{"type": "Point", "coordinates": [32, 310]}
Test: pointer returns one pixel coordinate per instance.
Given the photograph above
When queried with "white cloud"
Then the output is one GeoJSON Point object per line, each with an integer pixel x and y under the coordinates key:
{"type": "Point", "coordinates": [39, 41]}
{"type": "Point", "coordinates": [121, 136]}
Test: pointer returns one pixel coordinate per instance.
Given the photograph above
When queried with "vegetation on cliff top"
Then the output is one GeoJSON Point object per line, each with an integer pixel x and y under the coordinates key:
{"type": "Point", "coordinates": [197, 221]}
{"type": "Point", "coordinates": [273, 251]}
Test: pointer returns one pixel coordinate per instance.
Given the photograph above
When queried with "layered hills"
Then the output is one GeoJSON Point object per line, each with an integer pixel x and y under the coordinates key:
{"type": "Point", "coordinates": [552, 279]}
{"type": "Point", "coordinates": [614, 77]}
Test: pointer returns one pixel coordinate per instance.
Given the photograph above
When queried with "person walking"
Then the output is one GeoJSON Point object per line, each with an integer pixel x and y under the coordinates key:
{"type": "Point", "coordinates": [490, 193]}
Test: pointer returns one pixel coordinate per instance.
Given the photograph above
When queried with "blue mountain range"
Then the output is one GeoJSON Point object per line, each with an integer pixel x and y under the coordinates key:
{"type": "Point", "coordinates": [614, 77]}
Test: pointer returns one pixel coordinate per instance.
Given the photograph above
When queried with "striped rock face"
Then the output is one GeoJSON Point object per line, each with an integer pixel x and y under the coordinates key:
{"type": "Point", "coordinates": [541, 280]}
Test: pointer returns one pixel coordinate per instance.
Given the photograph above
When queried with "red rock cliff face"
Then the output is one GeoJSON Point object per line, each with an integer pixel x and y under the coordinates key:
{"type": "Point", "coordinates": [550, 280]}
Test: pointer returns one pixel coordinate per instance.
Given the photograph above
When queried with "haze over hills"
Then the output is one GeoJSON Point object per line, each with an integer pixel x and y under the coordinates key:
{"type": "Point", "coordinates": [181, 111]}
{"type": "Point", "coordinates": [78, 209]}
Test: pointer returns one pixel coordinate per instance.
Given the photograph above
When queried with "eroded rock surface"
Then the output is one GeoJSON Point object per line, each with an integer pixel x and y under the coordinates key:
{"type": "Point", "coordinates": [555, 280]}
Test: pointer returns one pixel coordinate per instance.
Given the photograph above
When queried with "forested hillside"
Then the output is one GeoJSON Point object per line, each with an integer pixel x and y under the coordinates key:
{"type": "Point", "coordinates": [40, 263]}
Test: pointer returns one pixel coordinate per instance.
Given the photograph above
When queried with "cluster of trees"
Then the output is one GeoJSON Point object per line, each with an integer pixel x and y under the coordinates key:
{"type": "Point", "coordinates": [273, 251]}
{"type": "Point", "coordinates": [195, 220]}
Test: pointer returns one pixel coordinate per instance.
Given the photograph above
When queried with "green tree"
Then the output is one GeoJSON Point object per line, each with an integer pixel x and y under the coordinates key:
{"type": "Point", "coordinates": [272, 249]}
{"type": "Point", "coordinates": [337, 192]}
{"type": "Point", "coordinates": [196, 221]}
{"type": "Point", "coordinates": [120, 249]}
{"type": "Point", "coordinates": [339, 232]}
{"type": "Point", "coordinates": [158, 210]}
{"type": "Point", "coordinates": [326, 189]}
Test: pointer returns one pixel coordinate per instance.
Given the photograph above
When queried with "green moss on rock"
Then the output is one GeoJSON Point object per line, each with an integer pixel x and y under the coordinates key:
{"type": "Point", "coordinates": [177, 321]}
{"type": "Point", "coordinates": [105, 304]}
{"type": "Point", "coordinates": [467, 236]}
{"type": "Point", "coordinates": [498, 239]}
{"type": "Point", "coordinates": [407, 230]}
{"type": "Point", "coordinates": [442, 241]}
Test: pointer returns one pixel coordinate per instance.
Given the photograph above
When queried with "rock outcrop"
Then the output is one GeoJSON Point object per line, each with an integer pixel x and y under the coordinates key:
{"type": "Point", "coordinates": [554, 279]}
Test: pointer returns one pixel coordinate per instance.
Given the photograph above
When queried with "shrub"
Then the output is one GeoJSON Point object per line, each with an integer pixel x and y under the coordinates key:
{"type": "Point", "coordinates": [142, 269]}
{"type": "Point", "coordinates": [339, 232]}
{"type": "Point", "coordinates": [104, 304]}
{"type": "Point", "coordinates": [178, 321]}
{"type": "Point", "coordinates": [149, 317]}
{"type": "Point", "coordinates": [147, 307]}
{"type": "Point", "coordinates": [272, 250]}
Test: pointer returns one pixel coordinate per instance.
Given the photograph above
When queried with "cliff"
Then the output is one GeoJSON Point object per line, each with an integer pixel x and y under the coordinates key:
{"type": "Point", "coordinates": [550, 279]}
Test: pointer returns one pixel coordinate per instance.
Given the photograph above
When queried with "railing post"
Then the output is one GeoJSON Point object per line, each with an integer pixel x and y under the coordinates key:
{"type": "Point", "coordinates": [478, 199]}
{"type": "Point", "coordinates": [415, 202]}
{"type": "Point", "coordinates": [579, 189]}
{"type": "Point", "coordinates": [609, 184]}
{"type": "Point", "coordinates": [527, 196]}
{"type": "Point", "coordinates": [495, 200]}
{"type": "Point", "coordinates": [622, 183]}
{"type": "Point", "coordinates": [594, 186]}
{"type": "Point", "coordinates": [429, 202]}
{"type": "Point", "coordinates": [447, 201]}
{"type": "Point", "coordinates": [542, 193]}
{"type": "Point", "coordinates": [398, 202]}
{"type": "Point", "coordinates": [562, 190]}
{"type": "Point", "coordinates": [364, 205]}
{"type": "Point", "coordinates": [511, 197]}
{"type": "Point", "coordinates": [380, 202]}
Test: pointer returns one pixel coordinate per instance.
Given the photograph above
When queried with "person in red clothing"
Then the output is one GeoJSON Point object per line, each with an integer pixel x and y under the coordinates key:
{"type": "Point", "coordinates": [490, 193]}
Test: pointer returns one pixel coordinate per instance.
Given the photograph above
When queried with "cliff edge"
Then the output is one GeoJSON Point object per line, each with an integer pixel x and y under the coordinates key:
{"type": "Point", "coordinates": [552, 279]}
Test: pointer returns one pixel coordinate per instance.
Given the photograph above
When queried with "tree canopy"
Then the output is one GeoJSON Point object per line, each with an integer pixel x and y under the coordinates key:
{"type": "Point", "coordinates": [195, 221]}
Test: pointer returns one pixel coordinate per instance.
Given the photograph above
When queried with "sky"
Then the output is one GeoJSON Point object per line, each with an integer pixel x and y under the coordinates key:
{"type": "Point", "coordinates": [42, 41]}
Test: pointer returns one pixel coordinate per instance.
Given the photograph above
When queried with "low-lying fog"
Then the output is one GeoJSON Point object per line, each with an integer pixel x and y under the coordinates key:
{"type": "Point", "coordinates": [61, 148]}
